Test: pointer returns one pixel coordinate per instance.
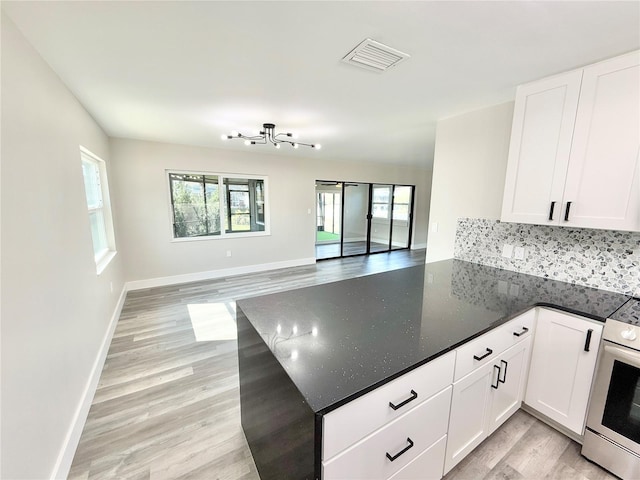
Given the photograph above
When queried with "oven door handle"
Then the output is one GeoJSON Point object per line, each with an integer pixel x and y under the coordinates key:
{"type": "Point", "coordinates": [631, 357]}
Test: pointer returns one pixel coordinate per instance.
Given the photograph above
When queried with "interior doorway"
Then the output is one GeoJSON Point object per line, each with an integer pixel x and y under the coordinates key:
{"type": "Point", "coordinates": [355, 218]}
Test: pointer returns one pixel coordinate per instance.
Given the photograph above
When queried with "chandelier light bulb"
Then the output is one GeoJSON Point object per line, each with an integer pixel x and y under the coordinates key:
{"type": "Point", "coordinates": [277, 145]}
{"type": "Point", "coordinates": [295, 145]}
{"type": "Point", "coordinates": [317, 146]}
{"type": "Point", "coordinates": [224, 137]}
{"type": "Point", "coordinates": [247, 142]}
{"type": "Point", "coordinates": [234, 133]}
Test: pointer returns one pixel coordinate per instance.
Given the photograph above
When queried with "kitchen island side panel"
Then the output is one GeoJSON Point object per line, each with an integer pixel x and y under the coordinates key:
{"type": "Point", "coordinates": [278, 423]}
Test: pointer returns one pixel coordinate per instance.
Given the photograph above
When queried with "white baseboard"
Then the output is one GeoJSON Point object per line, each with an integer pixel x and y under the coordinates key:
{"type": "Point", "coordinates": [211, 274]}
{"type": "Point", "coordinates": [63, 464]}
{"type": "Point", "coordinates": [417, 246]}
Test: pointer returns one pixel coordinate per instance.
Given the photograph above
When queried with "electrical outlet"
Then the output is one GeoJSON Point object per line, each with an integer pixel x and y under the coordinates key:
{"type": "Point", "coordinates": [434, 227]}
{"type": "Point", "coordinates": [519, 253]}
{"type": "Point", "coordinates": [228, 253]}
{"type": "Point", "coordinates": [507, 250]}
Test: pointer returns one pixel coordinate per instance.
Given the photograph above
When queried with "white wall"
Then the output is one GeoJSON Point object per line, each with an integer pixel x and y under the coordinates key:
{"type": "Point", "coordinates": [470, 161]}
{"type": "Point", "coordinates": [55, 310]}
{"type": "Point", "coordinates": [142, 203]}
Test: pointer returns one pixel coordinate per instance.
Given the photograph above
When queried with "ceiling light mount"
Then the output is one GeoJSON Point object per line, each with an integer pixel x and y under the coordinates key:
{"type": "Point", "coordinates": [268, 135]}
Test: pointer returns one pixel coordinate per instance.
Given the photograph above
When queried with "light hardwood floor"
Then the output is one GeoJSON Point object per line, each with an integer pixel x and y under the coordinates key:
{"type": "Point", "coordinates": [167, 405]}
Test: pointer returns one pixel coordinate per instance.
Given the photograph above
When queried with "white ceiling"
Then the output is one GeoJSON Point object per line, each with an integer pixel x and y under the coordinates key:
{"type": "Point", "coordinates": [186, 72]}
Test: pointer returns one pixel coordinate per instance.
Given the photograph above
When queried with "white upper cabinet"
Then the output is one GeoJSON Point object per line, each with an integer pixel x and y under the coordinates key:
{"type": "Point", "coordinates": [575, 149]}
{"type": "Point", "coordinates": [541, 134]}
{"type": "Point", "coordinates": [603, 179]}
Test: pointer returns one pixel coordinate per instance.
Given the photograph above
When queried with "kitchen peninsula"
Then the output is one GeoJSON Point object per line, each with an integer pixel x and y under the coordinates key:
{"type": "Point", "coordinates": [305, 353]}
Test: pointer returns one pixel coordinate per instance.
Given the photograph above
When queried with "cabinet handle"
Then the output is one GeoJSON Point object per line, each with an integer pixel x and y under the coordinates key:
{"type": "Point", "coordinates": [489, 352]}
{"type": "Point", "coordinates": [553, 206]}
{"type": "Point", "coordinates": [497, 378]}
{"type": "Point", "coordinates": [393, 457]}
{"type": "Point", "coordinates": [524, 330]}
{"type": "Point", "coordinates": [566, 212]}
{"type": "Point", "coordinates": [504, 378]}
{"type": "Point", "coordinates": [413, 396]}
{"type": "Point", "coordinates": [587, 343]}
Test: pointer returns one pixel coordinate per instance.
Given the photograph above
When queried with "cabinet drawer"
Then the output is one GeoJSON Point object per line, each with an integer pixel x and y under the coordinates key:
{"type": "Point", "coordinates": [355, 420]}
{"type": "Point", "coordinates": [427, 466]}
{"type": "Point", "coordinates": [488, 346]}
{"type": "Point", "coordinates": [412, 433]}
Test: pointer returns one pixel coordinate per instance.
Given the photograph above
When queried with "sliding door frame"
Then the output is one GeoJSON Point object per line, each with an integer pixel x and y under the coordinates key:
{"type": "Point", "coordinates": [369, 218]}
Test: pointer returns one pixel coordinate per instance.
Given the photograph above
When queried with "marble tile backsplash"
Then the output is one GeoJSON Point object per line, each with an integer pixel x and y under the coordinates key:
{"type": "Point", "coordinates": [604, 259]}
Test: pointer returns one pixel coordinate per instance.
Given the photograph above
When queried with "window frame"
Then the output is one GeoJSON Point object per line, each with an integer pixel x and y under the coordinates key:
{"type": "Point", "coordinates": [381, 219]}
{"type": "Point", "coordinates": [104, 256]}
{"type": "Point", "coordinates": [398, 221]}
{"type": "Point", "coordinates": [224, 209]}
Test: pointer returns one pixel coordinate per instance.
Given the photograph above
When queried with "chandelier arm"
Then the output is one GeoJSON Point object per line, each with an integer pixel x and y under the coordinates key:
{"type": "Point", "coordinates": [248, 137]}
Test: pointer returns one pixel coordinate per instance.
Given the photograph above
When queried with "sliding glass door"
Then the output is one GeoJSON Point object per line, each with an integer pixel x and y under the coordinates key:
{"type": "Point", "coordinates": [402, 216]}
{"type": "Point", "coordinates": [356, 218]}
{"type": "Point", "coordinates": [328, 219]}
{"type": "Point", "coordinates": [380, 218]}
{"type": "Point", "coordinates": [356, 211]}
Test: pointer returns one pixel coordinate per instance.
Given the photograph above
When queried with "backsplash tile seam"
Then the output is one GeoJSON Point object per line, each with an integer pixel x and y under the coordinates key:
{"type": "Point", "coordinates": [605, 259]}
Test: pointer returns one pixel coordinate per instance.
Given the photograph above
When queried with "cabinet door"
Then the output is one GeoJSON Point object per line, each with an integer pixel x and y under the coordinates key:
{"type": "Point", "coordinates": [543, 121]}
{"type": "Point", "coordinates": [603, 178]}
{"type": "Point", "coordinates": [561, 367]}
{"type": "Point", "coordinates": [469, 420]}
{"type": "Point", "coordinates": [511, 385]}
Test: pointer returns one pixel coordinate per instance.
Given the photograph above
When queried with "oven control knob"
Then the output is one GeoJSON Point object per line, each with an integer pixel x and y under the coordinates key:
{"type": "Point", "coordinates": [628, 334]}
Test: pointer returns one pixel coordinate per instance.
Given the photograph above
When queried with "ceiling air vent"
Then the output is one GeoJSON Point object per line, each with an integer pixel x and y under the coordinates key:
{"type": "Point", "coordinates": [374, 56]}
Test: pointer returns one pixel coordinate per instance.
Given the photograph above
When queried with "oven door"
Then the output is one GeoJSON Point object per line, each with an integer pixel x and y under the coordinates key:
{"type": "Point", "coordinates": [615, 403]}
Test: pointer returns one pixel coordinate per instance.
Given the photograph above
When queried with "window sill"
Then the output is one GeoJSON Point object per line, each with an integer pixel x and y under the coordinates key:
{"type": "Point", "coordinates": [104, 261]}
{"type": "Point", "coordinates": [226, 236]}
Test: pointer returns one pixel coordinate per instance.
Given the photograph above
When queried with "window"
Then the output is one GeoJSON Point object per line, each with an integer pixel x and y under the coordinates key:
{"type": "Point", "coordinates": [212, 205]}
{"type": "Point", "coordinates": [381, 200]}
{"type": "Point", "coordinates": [401, 203]}
{"type": "Point", "coordinates": [97, 194]}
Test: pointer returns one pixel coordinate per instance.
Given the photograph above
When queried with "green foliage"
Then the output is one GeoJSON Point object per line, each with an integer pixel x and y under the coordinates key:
{"type": "Point", "coordinates": [192, 215]}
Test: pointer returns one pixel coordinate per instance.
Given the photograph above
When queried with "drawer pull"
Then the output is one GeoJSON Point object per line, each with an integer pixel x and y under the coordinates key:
{"type": "Point", "coordinates": [524, 330]}
{"type": "Point", "coordinates": [553, 205]}
{"type": "Point", "coordinates": [413, 396]}
{"type": "Point", "coordinates": [393, 457]}
{"type": "Point", "coordinates": [489, 352]}
{"type": "Point", "coordinates": [497, 378]}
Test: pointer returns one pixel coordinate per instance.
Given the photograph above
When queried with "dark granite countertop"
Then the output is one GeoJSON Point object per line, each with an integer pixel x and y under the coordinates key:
{"type": "Point", "coordinates": [340, 340]}
{"type": "Point", "coordinates": [629, 312]}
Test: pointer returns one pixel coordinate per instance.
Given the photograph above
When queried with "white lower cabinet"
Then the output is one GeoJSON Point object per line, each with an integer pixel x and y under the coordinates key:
{"type": "Point", "coordinates": [419, 426]}
{"type": "Point", "coordinates": [388, 450]}
{"type": "Point", "coordinates": [427, 466]}
{"type": "Point", "coordinates": [507, 398]}
{"type": "Point", "coordinates": [485, 399]}
{"type": "Point", "coordinates": [563, 361]}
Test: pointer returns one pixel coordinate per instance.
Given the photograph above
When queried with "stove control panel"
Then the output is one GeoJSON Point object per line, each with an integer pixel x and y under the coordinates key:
{"type": "Point", "coordinates": [622, 333]}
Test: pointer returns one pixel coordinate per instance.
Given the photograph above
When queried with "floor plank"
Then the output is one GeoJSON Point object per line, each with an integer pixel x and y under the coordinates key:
{"type": "Point", "coordinates": [167, 406]}
{"type": "Point", "coordinates": [524, 448]}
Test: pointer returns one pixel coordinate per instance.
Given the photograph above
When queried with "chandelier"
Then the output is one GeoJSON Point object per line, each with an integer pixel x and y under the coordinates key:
{"type": "Point", "coordinates": [269, 135]}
